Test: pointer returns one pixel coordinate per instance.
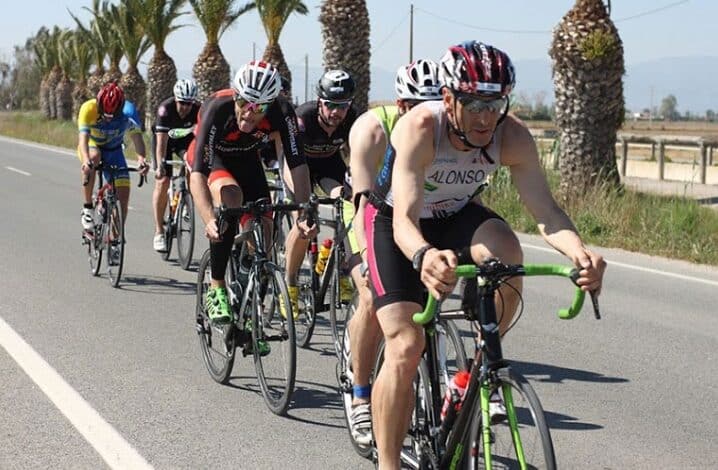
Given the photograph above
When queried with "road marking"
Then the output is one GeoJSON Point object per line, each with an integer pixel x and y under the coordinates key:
{"type": "Point", "coordinates": [18, 171]}
{"type": "Point", "coordinates": [111, 446]}
{"type": "Point", "coordinates": [637, 268]}
{"type": "Point", "coordinates": [38, 146]}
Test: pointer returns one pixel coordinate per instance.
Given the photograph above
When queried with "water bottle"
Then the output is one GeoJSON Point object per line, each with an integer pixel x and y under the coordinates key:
{"type": "Point", "coordinates": [323, 256]}
{"type": "Point", "coordinates": [454, 395]}
{"type": "Point", "coordinates": [175, 201]}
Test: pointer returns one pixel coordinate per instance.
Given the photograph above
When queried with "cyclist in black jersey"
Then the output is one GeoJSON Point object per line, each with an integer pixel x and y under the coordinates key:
{"type": "Point", "coordinates": [177, 112]}
{"type": "Point", "coordinates": [427, 206]}
{"type": "Point", "coordinates": [226, 168]}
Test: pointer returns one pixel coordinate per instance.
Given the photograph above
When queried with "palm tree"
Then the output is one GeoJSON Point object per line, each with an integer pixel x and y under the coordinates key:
{"type": "Point", "coordinates": [211, 70]}
{"type": "Point", "coordinates": [63, 90]}
{"type": "Point", "coordinates": [55, 74]}
{"type": "Point", "coordinates": [274, 15]}
{"type": "Point", "coordinates": [42, 52]}
{"type": "Point", "coordinates": [82, 51]}
{"type": "Point", "coordinates": [134, 43]}
{"type": "Point", "coordinates": [97, 37]}
{"type": "Point", "coordinates": [345, 28]}
{"type": "Point", "coordinates": [157, 22]}
{"type": "Point", "coordinates": [587, 55]}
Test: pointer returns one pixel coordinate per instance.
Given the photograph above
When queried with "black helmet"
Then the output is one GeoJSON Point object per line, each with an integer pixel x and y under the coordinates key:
{"type": "Point", "coordinates": [336, 85]}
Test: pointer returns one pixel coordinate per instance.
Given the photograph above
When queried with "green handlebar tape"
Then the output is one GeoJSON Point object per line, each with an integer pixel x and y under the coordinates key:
{"type": "Point", "coordinates": [469, 270]}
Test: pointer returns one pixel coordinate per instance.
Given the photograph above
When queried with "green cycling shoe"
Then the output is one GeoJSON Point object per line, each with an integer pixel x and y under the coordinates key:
{"type": "Point", "coordinates": [217, 306]}
{"type": "Point", "coordinates": [262, 345]}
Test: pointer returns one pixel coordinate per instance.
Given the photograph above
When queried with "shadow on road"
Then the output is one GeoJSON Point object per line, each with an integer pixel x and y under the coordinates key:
{"type": "Point", "coordinates": [157, 285]}
{"type": "Point", "coordinates": [555, 374]}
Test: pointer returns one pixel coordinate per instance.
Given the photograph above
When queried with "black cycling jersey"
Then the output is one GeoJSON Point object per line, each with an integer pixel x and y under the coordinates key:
{"type": "Point", "coordinates": [219, 140]}
{"type": "Point", "coordinates": [168, 118]}
{"type": "Point", "coordinates": [316, 141]}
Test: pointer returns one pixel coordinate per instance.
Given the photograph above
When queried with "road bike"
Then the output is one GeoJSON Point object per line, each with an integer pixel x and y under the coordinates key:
{"type": "Point", "coordinates": [473, 437]}
{"type": "Point", "coordinates": [179, 217]}
{"type": "Point", "coordinates": [108, 232]}
{"type": "Point", "coordinates": [255, 295]}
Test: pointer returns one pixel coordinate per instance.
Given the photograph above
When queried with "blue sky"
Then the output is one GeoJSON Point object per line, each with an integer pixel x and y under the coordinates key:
{"type": "Point", "coordinates": [521, 27]}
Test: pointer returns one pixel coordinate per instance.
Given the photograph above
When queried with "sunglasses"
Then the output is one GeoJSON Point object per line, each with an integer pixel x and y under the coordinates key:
{"type": "Point", "coordinates": [254, 108]}
{"type": "Point", "coordinates": [332, 105]}
{"type": "Point", "coordinates": [475, 105]}
{"type": "Point", "coordinates": [184, 103]}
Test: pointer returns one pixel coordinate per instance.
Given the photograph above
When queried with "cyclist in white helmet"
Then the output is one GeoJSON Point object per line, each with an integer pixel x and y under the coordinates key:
{"type": "Point", "coordinates": [226, 169]}
{"type": "Point", "coordinates": [415, 83]}
{"type": "Point", "coordinates": [176, 112]}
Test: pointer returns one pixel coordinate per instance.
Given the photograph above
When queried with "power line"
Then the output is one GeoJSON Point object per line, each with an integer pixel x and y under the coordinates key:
{"type": "Point", "coordinates": [390, 34]}
{"type": "Point", "coordinates": [533, 31]}
{"type": "Point", "coordinates": [649, 12]}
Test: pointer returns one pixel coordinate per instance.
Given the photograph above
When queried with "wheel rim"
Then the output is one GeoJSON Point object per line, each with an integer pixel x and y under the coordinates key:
{"type": "Point", "coordinates": [185, 231]}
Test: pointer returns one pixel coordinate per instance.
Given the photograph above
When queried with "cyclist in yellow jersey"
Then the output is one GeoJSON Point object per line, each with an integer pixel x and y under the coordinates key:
{"type": "Point", "coordinates": [102, 124]}
{"type": "Point", "coordinates": [416, 82]}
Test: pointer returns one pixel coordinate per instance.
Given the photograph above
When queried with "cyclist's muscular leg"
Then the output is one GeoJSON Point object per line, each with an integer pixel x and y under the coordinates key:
{"type": "Point", "coordinates": [495, 239]}
{"type": "Point", "coordinates": [95, 158]}
{"type": "Point", "coordinates": [364, 334]}
{"type": "Point", "coordinates": [296, 247]}
{"type": "Point", "coordinates": [159, 201]}
{"type": "Point", "coordinates": [224, 190]}
{"type": "Point", "coordinates": [392, 397]}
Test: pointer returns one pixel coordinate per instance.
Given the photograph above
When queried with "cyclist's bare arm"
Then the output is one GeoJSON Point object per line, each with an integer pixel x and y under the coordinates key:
{"type": "Point", "coordinates": [139, 144]}
{"type": "Point", "coordinates": [368, 145]}
{"type": "Point", "coordinates": [519, 153]}
{"type": "Point", "coordinates": [160, 148]}
{"type": "Point", "coordinates": [83, 145]}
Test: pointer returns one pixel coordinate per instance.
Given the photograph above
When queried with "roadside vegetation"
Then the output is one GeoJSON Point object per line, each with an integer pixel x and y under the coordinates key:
{"type": "Point", "coordinates": [673, 227]}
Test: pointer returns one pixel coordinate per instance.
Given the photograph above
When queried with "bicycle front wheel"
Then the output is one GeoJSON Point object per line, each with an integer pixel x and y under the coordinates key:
{"type": "Point", "coordinates": [217, 342]}
{"type": "Point", "coordinates": [95, 245]}
{"type": "Point", "coordinates": [185, 230]}
{"type": "Point", "coordinates": [115, 237]}
{"type": "Point", "coordinates": [520, 441]}
{"type": "Point", "coordinates": [169, 221]}
{"type": "Point", "coordinates": [273, 340]}
{"type": "Point", "coordinates": [306, 318]}
{"type": "Point", "coordinates": [340, 303]}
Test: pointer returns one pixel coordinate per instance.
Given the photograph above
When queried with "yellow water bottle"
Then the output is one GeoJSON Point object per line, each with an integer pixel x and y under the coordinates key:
{"type": "Point", "coordinates": [323, 256]}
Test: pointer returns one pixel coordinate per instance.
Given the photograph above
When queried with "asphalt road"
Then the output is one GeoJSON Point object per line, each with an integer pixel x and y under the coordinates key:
{"type": "Point", "coordinates": [93, 376]}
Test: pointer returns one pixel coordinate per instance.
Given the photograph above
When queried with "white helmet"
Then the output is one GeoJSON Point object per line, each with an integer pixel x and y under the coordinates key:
{"type": "Point", "coordinates": [185, 90]}
{"type": "Point", "coordinates": [257, 82]}
{"type": "Point", "coordinates": [418, 81]}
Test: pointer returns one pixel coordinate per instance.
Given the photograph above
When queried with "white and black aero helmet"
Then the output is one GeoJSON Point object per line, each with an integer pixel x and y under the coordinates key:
{"type": "Point", "coordinates": [418, 81]}
{"type": "Point", "coordinates": [473, 67]}
{"type": "Point", "coordinates": [336, 85]}
{"type": "Point", "coordinates": [257, 82]}
{"type": "Point", "coordinates": [185, 90]}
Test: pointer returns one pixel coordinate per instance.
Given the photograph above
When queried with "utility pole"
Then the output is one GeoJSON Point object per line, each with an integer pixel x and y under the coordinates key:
{"type": "Point", "coordinates": [650, 110]}
{"type": "Point", "coordinates": [306, 77]}
{"type": "Point", "coordinates": [411, 34]}
{"type": "Point", "coordinates": [254, 51]}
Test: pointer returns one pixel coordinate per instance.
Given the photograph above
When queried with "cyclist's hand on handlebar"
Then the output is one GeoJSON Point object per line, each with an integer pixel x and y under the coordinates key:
{"type": "Point", "coordinates": [591, 268]}
{"type": "Point", "coordinates": [160, 170]}
{"type": "Point", "coordinates": [142, 166]}
{"type": "Point", "coordinates": [211, 230]}
{"type": "Point", "coordinates": [87, 168]}
{"type": "Point", "coordinates": [438, 272]}
{"type": "Point", "coordinates": [306, 230]}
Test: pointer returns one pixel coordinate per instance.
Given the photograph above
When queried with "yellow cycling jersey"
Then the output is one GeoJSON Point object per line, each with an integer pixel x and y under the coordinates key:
{"type": "Point", "coordinates": [107, 134]}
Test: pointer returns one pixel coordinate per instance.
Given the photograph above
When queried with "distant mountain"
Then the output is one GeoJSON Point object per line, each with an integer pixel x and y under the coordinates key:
{"type": "Point", "coordinates": [692, 80]}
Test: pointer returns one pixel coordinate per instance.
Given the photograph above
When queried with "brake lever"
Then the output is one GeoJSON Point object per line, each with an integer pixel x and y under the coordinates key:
{"type": "Point", "coordinates": [594, 301]}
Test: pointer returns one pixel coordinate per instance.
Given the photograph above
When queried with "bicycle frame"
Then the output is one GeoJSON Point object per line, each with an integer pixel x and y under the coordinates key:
{"type": "Point", "coordinates": [487, 361]}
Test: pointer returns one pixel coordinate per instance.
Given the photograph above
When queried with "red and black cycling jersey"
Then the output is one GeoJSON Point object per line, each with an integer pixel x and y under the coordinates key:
{"type": "Point", "coordinates": [317, 143]}
{"type": "Point", "coordinates": [218, 137]}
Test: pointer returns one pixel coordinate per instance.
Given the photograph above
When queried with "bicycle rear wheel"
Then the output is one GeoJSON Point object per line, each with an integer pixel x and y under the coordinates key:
{"type": "Point", "coordinates": [276, 370]}
{"type": "Point", "coordinates": [115, 243]}
{"type": "Point", "coordinates": [525, 414]}
{"type": "Point", "coordinates": [185, 230]}
{"type": "Point", "coordinates": [217, 342]}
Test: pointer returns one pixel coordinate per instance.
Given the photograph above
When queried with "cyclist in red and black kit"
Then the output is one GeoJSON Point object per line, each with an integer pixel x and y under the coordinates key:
{"type": "Point", "coordinates": [226, 168]}
{"type": "Point", "coordinates": [177, 112]}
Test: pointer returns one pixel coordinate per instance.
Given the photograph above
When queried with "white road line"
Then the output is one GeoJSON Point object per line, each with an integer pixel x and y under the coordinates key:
{"type": "Point", "coordinates": [111, 446]}
{"type": "Point", "coordinates": [636, 268]}
{"type": "Point", "coordinates": [18, 171]}
{"type": "Point", "coordinates": [38, 146]}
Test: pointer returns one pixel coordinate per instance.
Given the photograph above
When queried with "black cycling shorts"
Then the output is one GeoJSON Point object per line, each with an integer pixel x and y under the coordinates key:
{"type": "Point", "coordinates": [393, 278]}
{"type": "Point", "coordinates": [321, 168]}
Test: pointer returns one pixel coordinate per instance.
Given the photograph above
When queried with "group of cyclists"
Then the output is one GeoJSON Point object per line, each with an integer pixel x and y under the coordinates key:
{"type": "Point", "coordinates": [416, 171]}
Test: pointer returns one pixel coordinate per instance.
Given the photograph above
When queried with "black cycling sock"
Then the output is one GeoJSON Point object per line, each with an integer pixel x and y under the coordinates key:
{"type": "Point", "coordinates": [219, 251]}
{"type": "Point", "coordinates": [87, 205]}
